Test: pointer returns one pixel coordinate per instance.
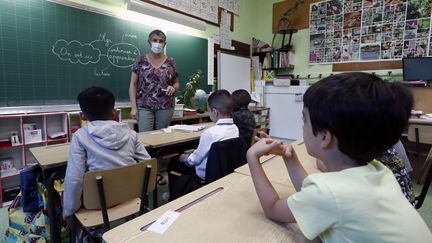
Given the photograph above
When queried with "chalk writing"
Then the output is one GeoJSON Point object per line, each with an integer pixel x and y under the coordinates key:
{"type": "Point", "coordinates": [76, 52]}
{"type": "Point", "coordinates": [119, 55]}
{"type": "Point", "coordinates": [122, 54]}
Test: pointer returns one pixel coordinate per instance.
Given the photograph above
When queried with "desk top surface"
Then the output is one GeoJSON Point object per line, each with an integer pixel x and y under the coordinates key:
{"type": "Point", "coordinates": [52, 155]}
{"type": "Point", "coordinates": [233, 214]}
{"type": "Point", "coordinates": [57, 155]}
{"type": "Point", "coordinates": [159, 138]}
{"type": "Point", "coordinates": [420, 121]}
{"type": "Point", "coordinates": [275, 168]}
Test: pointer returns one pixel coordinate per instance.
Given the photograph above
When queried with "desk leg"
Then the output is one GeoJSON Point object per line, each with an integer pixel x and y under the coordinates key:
{"type": "Point", "coordinates": [416, 130]}
{"type": "Point", "coordinates": [155, 197]}
{"type": "Point", "coordinates": [51, 209]}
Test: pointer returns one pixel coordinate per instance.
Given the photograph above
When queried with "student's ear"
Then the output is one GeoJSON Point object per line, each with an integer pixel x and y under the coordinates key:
{"type": "Point", "coordinates": [326, 139]}
{"type": "Point", "coordinates": [114, 114]}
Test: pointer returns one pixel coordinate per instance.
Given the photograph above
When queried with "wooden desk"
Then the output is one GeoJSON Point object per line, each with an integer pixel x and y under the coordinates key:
{"type": "Point", "coordinates": [233, 214]}
{"type": "Point", "coordinates": [52, 160]}
{"type": "Point", "coordinates": [275, 168]}
{"type": "Point", "coordinates": [414, 134]}
{"type": "Point", "coordinates": [51, 156]}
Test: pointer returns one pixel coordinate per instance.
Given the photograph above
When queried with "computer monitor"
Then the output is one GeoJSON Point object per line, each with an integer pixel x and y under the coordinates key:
{"type": "Point", "coordinates": [417, 68]}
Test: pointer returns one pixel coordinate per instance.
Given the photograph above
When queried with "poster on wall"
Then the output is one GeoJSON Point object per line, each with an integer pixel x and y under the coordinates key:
{"type": "Point", "coordinates": [368, 30]}
{"type": "Point", "coordinates": [204, 9]}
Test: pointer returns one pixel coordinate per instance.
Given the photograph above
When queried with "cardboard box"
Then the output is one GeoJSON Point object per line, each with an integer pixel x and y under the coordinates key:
{"type": "Point", "coordinates": [33, 136]}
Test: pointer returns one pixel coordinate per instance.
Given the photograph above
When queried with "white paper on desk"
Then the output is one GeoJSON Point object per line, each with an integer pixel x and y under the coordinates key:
{"type": "Point", "coordinates": [164, 222]}
{"type": "Point", "coordinates": [187, 128]}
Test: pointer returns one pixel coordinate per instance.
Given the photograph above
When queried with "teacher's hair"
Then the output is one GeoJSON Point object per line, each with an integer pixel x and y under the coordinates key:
{"type": "Point", "coordinates": [158, 33]}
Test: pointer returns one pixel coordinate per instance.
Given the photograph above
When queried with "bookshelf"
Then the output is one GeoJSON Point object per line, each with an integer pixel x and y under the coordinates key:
{"type": "Point", "coordinates": [19, 133]}
{"type": "Point", "coordinates": [275, 59]}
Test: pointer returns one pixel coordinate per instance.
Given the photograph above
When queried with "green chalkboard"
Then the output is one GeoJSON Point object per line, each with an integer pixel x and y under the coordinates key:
{"type": "Point", "coordinates": [50, 52]}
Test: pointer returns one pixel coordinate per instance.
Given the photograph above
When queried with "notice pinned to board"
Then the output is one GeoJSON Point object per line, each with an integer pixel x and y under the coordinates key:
{"type": "Point", "coordinates": [164, 222]}
{"type": "Point", "coordinates": [225, 30]}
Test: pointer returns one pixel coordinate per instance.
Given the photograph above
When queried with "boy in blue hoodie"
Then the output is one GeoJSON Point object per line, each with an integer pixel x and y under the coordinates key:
{"type": "Point", "coordinates": [102, 144]}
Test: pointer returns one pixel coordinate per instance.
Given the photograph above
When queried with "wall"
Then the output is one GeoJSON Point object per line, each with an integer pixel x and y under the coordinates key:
{"type": "Point", "coordinates": [244, 25]}
{"type": "Point", "coordinates": [300, 43]}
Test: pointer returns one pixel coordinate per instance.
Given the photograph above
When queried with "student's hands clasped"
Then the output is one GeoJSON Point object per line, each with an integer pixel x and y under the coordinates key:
{"type": "Point", "coordinates": [266, 145]}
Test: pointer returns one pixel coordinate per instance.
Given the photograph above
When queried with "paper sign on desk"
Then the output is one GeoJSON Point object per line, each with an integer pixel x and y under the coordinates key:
{"type": "Point", "coordinates": [164, 222]}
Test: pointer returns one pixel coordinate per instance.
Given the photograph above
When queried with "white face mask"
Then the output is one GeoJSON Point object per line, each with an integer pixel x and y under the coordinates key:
{"type": "Point", "coordinates": [156, 48]}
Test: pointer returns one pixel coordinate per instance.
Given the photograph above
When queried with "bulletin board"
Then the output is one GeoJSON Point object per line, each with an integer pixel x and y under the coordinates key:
{"type": "Point", "coordinates": [233, 71]}
{"type": "Point", "coordinates": [369, 30]}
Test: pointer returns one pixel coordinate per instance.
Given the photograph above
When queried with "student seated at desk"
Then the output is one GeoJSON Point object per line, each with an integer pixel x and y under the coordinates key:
{"type": "Point", "coordinates": [242, 116]}
{"type": "Point", "coordinates": [348, 119]}
{"type": "Point", "coordinates": [102, 144]}
{"type": "Point", "coordinates": [220, 108]}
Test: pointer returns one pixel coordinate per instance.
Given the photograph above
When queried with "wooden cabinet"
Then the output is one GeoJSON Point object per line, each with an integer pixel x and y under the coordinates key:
{"type": "Point", "coordinates": [20, 132]}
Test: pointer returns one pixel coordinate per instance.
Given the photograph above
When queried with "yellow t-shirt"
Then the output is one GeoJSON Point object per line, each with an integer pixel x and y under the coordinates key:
{"type": "Point", "coordinates": [361, 204]}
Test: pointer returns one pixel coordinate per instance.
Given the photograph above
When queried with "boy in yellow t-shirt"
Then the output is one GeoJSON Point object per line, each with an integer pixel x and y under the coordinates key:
{"type": "Point", "coordinates": [349, 119]}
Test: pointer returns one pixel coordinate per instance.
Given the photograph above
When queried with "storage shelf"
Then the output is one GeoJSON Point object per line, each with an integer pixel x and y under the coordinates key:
{"type": "Point", "coordinates": [37, 142]}
{"type": "Point", "coordinates": [281, 68]}
{"type": "Point", "coordinates": [57, 139]}
{"type": "Point", "coordinates": [12, 175]}
{"type": "Point", "coordinates": [8, 144]}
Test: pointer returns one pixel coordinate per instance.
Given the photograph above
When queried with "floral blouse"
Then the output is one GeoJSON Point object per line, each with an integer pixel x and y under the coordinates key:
{"type": "Point", "coordinates": [152, 80]}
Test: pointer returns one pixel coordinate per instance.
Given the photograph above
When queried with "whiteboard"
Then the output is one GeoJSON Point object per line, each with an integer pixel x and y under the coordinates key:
{"type": "Point", "coordinates": [234, 72]}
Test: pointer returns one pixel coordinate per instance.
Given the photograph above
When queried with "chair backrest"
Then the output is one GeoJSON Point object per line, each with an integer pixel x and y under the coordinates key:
{"type": "Point", "coordinates": [224, 157]}
{"type": "Point", "coordinates": [120, 184]}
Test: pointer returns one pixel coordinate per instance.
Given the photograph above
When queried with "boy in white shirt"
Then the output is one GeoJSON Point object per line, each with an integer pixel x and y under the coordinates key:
{"type": "Point", "coordinates": [349, 119]}
{"type": "Point", "coordinates": [220, 107]}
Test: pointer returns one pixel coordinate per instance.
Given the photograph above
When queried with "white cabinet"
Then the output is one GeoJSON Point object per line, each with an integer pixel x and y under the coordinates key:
{"type": "Point", "coordinates": [286, 104]}
{"type": "Point", "coordinates": [20, 132]}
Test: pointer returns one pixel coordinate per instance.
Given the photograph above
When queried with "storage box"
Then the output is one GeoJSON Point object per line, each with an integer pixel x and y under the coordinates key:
{"type": "Point", "coordinates": [33, 136]}
{"type": "Point", "coordinates": [178, 111]}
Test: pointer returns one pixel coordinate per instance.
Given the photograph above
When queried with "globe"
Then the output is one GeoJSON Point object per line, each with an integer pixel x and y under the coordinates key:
{"type": "Point", "coordinates": [200, 98]}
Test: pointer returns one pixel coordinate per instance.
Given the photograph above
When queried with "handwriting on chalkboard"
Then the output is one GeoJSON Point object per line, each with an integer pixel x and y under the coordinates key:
{"type": "Point", "coordinates": [120, 55]}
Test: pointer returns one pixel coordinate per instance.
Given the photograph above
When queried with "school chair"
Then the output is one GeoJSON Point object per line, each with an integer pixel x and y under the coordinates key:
{"type": "Point", "coordinates": [421, 135]}
{"type": "Point", "coordinates": [114, 194]}
{"type": "Point", "coordinates": [428, 179]}
{"type": "Point", "coordinates": [223, 158]}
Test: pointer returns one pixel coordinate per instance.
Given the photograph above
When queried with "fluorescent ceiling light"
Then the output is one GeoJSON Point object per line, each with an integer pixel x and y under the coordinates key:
{"type": "Point", "coordinates": [162, 13]}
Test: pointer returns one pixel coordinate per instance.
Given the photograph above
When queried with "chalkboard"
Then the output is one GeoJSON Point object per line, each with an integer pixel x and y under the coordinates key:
{"type": "Point", "coordinates": [50, 52]}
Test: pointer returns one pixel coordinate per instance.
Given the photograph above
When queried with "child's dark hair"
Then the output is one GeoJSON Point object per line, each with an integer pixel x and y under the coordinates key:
{"type": "Point", "coordinates": [364, 113]}
{"type": "Point", "coordinates": [241, 98]}
{"type": "Point", "coordinates": [97, 103]}
{"type": "Point", "coordinates": [221, 100]}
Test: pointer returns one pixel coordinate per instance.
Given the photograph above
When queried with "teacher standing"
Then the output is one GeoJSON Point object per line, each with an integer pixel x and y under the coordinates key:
{"type": "Point", "coordinates": [153, 82]}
